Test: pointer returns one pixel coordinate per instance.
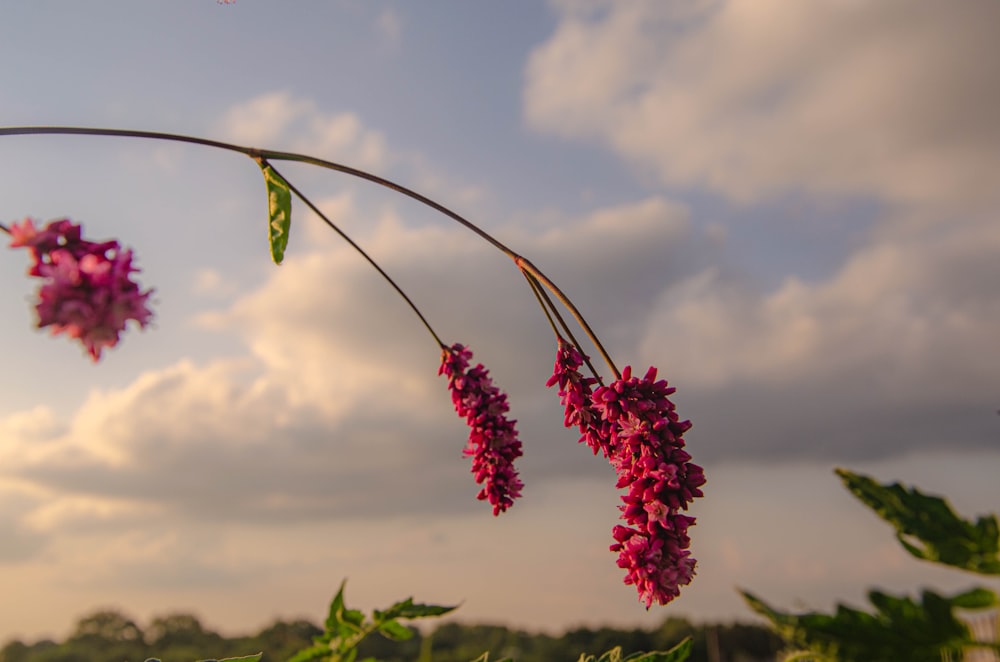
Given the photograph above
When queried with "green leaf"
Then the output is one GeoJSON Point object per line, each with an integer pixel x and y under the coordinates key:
{"type": "Point", "coordinates": [336, 608]}
{"type": "Point", "coordinates": [407, 609]}
{"type": "Point", "coordinates": [977, 598]}
{"type": "Point", "coordinates": [395, 630]}
{"type": "Point", "coordinates": [279, 211]}
{"type": "Point", "coordinates": [353, 617]}
{"type": "Point", "coordinates": [246, 658]}
{"type": "Point", "coordinates": [928, 528]}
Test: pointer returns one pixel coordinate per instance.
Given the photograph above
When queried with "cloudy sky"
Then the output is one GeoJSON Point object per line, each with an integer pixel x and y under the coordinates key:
{"type": "Point", "coordinates": [789, 208]}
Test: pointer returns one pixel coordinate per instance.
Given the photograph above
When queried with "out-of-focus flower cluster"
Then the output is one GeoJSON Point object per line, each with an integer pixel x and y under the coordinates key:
{"type": "Point", "coordinates": [88, 292]}
{"type": "Point", "coordinates": [493, 444]}
{"type": "Point", "coordinates": [636, 426]}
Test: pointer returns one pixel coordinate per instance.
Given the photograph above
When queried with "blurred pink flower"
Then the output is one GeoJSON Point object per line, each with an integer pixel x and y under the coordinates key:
{"type": "Point", "coordinates": [493, 443]}
{"type": "Point", "coordinates": [88, 293]}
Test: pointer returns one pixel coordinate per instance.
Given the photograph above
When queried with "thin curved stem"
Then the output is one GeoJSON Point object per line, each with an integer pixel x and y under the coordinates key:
{"type": "Point", "coordinates": [536, 290]}
{"type": "Point", "coordinates": [274, 155]}
{"type": "Point", "coordinates": [4, 228]}
{"type": "Point", "coordinates": [547, 305]}
{"type": "Point", "coordinates": [526, 266]}
{"type": "Point", "coordinates": [360, 250]}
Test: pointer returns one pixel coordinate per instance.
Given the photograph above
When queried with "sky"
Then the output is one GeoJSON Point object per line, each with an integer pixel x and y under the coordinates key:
{"type": "Point", "coordinates": [788, 208]}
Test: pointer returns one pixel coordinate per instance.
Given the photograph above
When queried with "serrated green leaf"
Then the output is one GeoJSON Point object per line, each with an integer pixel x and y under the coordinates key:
{"type": "Point", "coordinates": [407, 609]}
{"type": "Point", "coordinates": [279, 211]}
{"type": "Point", "coordinates": [395, 630]}
{"type": "Point", "coordinates": [928, 528]}
{"type": "Point", "coordinates": [336, 608]}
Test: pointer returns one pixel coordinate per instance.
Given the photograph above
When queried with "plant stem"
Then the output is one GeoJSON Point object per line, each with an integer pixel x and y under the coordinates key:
{"type": "Point", "coordinates": [522, 263]}
{"type": "Point", "coordinates": [546, 303]}
{"type": "Point", "coordinates": [360, 250]}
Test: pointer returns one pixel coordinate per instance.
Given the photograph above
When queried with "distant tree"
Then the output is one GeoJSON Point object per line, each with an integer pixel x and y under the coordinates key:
{"type": "Point", "coordinates": [180, 629]}
{"type": "Point", "coordinates": [594, 641]}
{"type": "Point", "coordinates": [15, 651]}
{"type": "Point", "coordinates": [109, 626]}
{"type": "Point", "coordinates": [104, 636]}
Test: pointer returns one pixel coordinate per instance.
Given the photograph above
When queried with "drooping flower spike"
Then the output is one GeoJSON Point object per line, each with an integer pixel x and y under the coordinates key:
{"type": "Point", "coordinates": [493, 444]}
{"type": "Point", "coordinates": [88, 292]}
{"type": "Point", "coordinates": [636, 426]}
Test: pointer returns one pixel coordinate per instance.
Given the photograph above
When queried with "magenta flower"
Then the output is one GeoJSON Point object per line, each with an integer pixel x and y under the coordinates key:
{"type": "Point", "coordinates": [635, 424]}
{"type": "Point", "coordinates": [575, 393]}
{"type": "Point", "coordinates": [493, 444]}
{"type": "Point", "coordinates": [88, 294]}
{"type": "Point", "coordinates": [660, 481]}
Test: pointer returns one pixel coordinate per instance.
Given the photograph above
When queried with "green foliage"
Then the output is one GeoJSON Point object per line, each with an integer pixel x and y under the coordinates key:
{"type": "Point", "coordinates": [676, 654]}
{"type": "Point", "coordinates": [246, 658]}
{"type": "Point", "coordinates": [901, 628]}
{"type": "Point", "coordinates": [346, 628]}
{"type": "Point", "coordinates": [927, 527]}
{"type": "Point", "coordinates": [279, 210]}
{"type": "Point", "coordinates": [182, 638]}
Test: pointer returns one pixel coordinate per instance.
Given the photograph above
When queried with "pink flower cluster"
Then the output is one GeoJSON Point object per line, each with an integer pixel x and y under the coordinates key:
{"type": "Point", "coordinates": [493, 443]}
{"type": "Point", "coordinates": [634, 422]}
{"type": "Point", "coordinates": [88, 293]}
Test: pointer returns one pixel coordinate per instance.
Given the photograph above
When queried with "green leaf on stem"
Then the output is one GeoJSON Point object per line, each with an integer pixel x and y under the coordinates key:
{"type": "Point", "coordinates": [977, 598]}
{"type": "Point", "coordinates": [407, 609]}
{"type": "Point", "coordinates": [395, 630]}
{"type": "Point", "coordinates": [928, 528]}
{"type": "Point", "coordinates": [279, 211]}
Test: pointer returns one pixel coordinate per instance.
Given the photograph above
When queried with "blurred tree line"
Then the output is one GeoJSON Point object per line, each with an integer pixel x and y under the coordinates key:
{"type": "Point", "coordinates": [110, 636]}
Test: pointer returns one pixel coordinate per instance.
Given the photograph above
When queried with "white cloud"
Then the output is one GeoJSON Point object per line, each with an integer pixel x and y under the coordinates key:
{"type": "Point", "coordinates": [278, 120]}
{"type": "Point", "coordinates": [756, 98]}
{"type": "Point", "coordinates": [337, 389]}
{"type": "Point", "coordinates": [889, 354]}
{"type": "Point", "coordinates": [923, 305]}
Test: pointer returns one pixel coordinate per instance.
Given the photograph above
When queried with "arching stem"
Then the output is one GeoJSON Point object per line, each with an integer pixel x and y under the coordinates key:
{"type": "Point", "coordinates": [275, 155]}
{"type": "Point", "coordinates": [360, 250]}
